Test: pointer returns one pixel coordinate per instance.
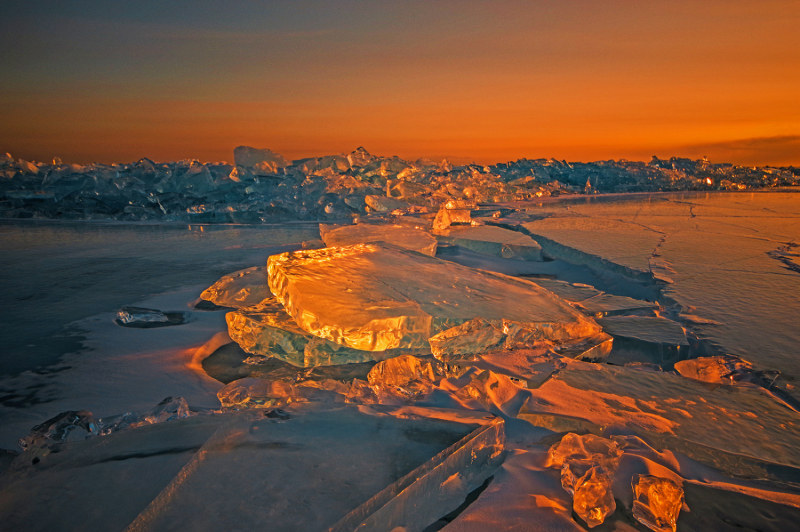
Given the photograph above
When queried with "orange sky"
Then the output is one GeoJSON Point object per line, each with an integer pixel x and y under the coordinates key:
{"type": "Point", "coordinates": [483, 81]}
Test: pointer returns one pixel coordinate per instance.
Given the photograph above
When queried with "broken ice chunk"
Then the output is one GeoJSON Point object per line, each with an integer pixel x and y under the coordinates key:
{"type": "Point", "coordinates": [400, 371]}
{"type": "Point", "coordinates": [262, 160]}
{"type": "Point", "coordinates": [723, 369]}
{"type": "Point", "coordinates": [646, 339]}
{"type": "Point", "coordinates": [268, 330]}
{"type": "Point", "coordinates": [595, 348]}
{"type": "Point", "coordinates": [603, 305]}
{"type": "Point", "coordinates": [399, 235]}
{"type": "Point", "coordinates": [384, 204]}
{"type": "Point", "coordinates": [452, 213]}
{"type": "Point", "coordinates": [379, 296]}
{"type": "Point", "coordinates": [572, 292]}
{"type": "Point", "coordinates": [145, 318]}
{"type": "Point", "coordinates": [168, 409]}
{"type": "Point", "coordinates": [405, 377]}
{"type": "Point", "coordinates": [593, 499]}
{"type": "Point", "coordinates": [239, 289]}
{"type": "Point", "coordinates": [588, 464]}
{"type": "Point", "coordinates": [66, 426]}
{"type": "Point", "coordinates": [492, 240]}
{"type": "Point", "coordinates": [465, 340]}
{"type": "Point", "coordinates": [256, 393]}
{"type": "Point", "coordinates": [128, 315]}
{"type": "Point", "coordinates": [587, 448]}
{"type": "Point", "coordinates": [656, 502]}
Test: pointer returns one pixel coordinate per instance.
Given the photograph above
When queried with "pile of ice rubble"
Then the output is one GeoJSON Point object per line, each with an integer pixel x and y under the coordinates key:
{"type": "Point", "coordinates": [655, 443]}
{"type": "Point", "coordinates": [262, 186]}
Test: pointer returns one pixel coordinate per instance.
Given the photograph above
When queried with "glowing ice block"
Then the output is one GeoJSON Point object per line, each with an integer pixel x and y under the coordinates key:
{"type": "Point", "coordinates": [267, 329]}
{"type": "Point", "coordinates": [656, 502]}
{"type": "Point", "coordinates": [379, 296]}
{"type": "Point", "coordinates": [239, 289]}
{"type": "Point", "coordinates": [491, 240]}
{"type": "Point", "coordinates": [400, 235]}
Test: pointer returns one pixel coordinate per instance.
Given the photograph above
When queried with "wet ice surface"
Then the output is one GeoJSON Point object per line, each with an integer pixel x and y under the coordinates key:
{"type": "Point", "coordinates": [717, 428]}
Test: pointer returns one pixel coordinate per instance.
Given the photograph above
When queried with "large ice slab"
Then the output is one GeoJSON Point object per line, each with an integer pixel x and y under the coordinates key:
{"type": "Point", "coordinates": [400, 235]}
{"type": "Point", "coordinates": [268, 330]}
{"type": "Point", "coordinates": [379, 296]}
{"type": "Point", "coordinates": [239, 289]}
{"type": "Point", "coordinates": [603, 305]}
{"type": "Point", "coordinates": [492, 240]}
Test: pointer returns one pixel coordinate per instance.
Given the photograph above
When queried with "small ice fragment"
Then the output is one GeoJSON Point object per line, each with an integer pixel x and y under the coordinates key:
{"type": "Point", "coordinates": [400, 371]}
{"type": "Point", "coordinates": [452, 213]}
{"type": "Point", "coordinates": [239, 289]}
{"type": "Point", "coordinates": [168, 409]}
{"type": "Point", "coordinates": [66, 426]}
{"type": "Point", "coordinates": [264, 161]}
{"type": "Point", "coordinates": [130, 315]}
{"type": "Point", "coordinates": [723, 369]}
{"type": "Point", "coordinates": [593, 499]}
{"type": "Point", "coordinates": [656, 502]}
{"type": "Point", "coordinates": [384, 204]}
{"type": "Point", "coordinates": [256, 393]}
{"type": "Point", "coordinates": [586, 448]}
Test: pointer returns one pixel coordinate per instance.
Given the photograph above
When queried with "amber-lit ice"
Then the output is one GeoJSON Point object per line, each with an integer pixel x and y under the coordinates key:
{"type": "Point", "coordinates": [239, 289]}
{"type": "Point", "coordinates": [267, 329]}
{"type": "Point", "coordinates": [378, 296]}
{"type": "Point", "coordinates": [403, 236]}
{"type": "Point", "coordinates": [492, 240]}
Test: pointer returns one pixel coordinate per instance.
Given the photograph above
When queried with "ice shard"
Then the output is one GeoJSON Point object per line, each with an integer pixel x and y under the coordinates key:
{"type": "Point", "coordinates": [240, 289]}
{"type": "Point", "coordinates": [656, 502]}
{"type": "Point", "coordinates": [400, 235]}
{"type": "Point", "coordinates": [587, 464]}
{"type": "Point", "coordinates": [492, 240]}
{"type": "Point", "coordinates": [455, 212]}
{"type": "Point", "coordinates": [379, 296]}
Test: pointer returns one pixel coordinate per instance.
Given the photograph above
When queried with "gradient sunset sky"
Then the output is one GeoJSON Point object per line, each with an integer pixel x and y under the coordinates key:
{"type": "Point", "coordinates": [488, 81]}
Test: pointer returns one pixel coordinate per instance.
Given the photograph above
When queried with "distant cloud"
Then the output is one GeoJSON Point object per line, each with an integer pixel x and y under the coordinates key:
{"type": "Point", "coordinates": [759, 151]}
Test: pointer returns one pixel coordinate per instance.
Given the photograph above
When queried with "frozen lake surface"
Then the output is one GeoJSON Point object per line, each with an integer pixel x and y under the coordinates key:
{"type": "Point", "coordinates": [729, 255]}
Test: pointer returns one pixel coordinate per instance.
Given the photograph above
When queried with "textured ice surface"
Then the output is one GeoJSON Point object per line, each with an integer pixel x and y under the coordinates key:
{"type": "Point", "coordinates": [400, 235]}
{"type": "Point", "coordinates": [302, 474]}
{"type": "Point", "coordinates": [656, 502]}
{"type": "Point", "coordinates": [492, 240]}
{"type": "Point", "coordinates": [239, 289]}
{"type": "Point", "coordinates": [474, 336]}
{"type": "Point", "coordinates": [724, 426]}
{"type": "Point", "coordinates": [379, 296]}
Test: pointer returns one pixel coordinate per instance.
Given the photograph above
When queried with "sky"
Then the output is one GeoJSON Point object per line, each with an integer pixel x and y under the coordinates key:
{"type": "Point", "coordinates": [484, 81]}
